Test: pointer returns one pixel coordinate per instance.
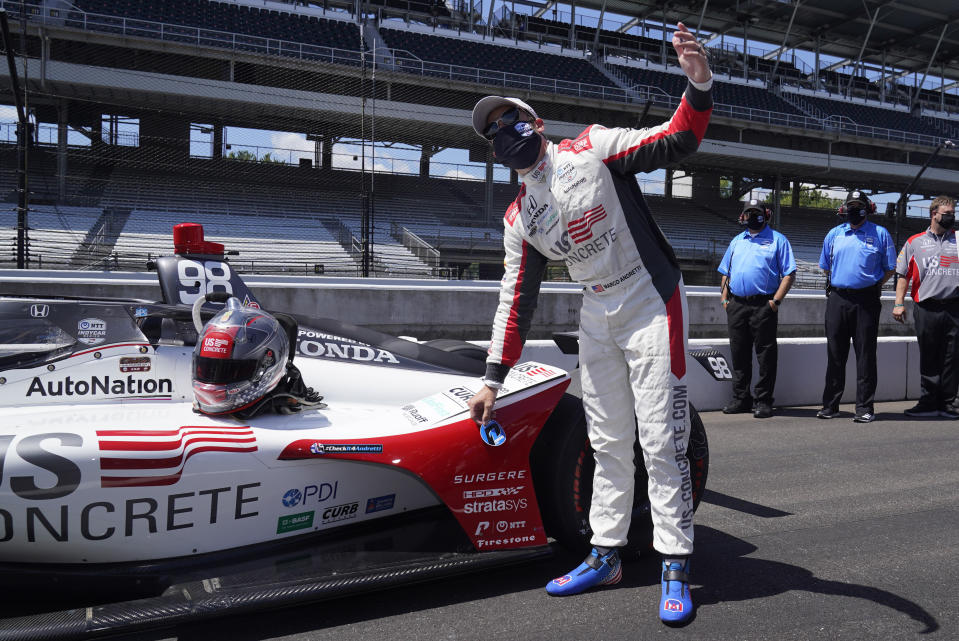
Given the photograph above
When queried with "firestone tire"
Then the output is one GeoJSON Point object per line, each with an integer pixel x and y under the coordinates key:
{"type": "Point", "coordinates": [563, 477]}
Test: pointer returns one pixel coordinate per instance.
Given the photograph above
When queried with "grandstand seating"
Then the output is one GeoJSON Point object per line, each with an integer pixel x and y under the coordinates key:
{"type": "Point", "coordinates": [304, 225]}
{"type": "Point", "coordinates": [741, 96]}
{"type": "Point", "coordinates": [495, 57]}
{"type": "Point", "coordinates": [55, 232]}
{"type": "Point", "coordinates": [870, 116]}
{"type": "Point", "coordinates": [293, 246]}
{"type": "Point", "coordinates": [225, 17]}
{"type": "Point", "coordinates": [435, 8]}
{"type": "Point", "coordinates": [258, 23]}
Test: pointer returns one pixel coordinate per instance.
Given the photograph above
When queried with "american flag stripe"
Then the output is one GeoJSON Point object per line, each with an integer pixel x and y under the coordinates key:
{"type": "Point", "coordinates": [159, 446]}
{"type": "Point", "coordinates": [581, 228]}
{"type": "Point", "coordinates": [127, 453]}
{"type": "Point", "coordinates": [193, 429]}
{"type": "Point", "coordinates": [115, 463]}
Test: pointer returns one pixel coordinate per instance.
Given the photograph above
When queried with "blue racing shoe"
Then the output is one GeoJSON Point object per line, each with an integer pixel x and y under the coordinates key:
{"type": "Point", "coordinates": [595, 570]}
{"type": "Point", "coordinates": [676, 605]}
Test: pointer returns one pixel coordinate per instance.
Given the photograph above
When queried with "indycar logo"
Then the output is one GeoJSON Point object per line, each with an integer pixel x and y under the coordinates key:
{"type": "Point", "coordinates": [122, 461]}
{"type": "Point", "coordinates": [566, 173]}
{"type": "Point", "coordinates": [91, 331]}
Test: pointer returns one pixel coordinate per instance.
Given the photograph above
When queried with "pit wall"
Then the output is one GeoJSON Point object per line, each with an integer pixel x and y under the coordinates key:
{"type": "Point", "coordinates": [799, 378]}
{"type": "Point", "coordinates": [428, 309]}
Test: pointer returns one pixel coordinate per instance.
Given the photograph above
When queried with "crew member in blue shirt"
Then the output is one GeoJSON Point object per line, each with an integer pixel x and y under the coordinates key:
{"type": "Point", "coordinates": [758, 269]}
{"type": "Point", "coordinates": [858, 257]}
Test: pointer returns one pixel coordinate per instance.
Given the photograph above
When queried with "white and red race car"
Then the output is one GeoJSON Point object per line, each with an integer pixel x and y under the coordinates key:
{"type": "Point", "coordinates": [128, 509]}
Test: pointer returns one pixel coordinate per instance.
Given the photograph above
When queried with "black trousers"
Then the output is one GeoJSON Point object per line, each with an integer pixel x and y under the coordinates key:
{"type": "Point", "coordinates": [937, 328]}
{"type": "Point", "coordinates": [852, 314]}
{"type": "Point", "coordinates": [750, 325]}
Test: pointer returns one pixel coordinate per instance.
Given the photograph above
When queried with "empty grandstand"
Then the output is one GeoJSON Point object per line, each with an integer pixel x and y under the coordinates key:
{"type": "Point", "coordinates": [136, 106]}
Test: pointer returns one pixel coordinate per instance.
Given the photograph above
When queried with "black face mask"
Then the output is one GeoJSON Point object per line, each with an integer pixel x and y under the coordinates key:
{"type": "Point", "coordinates": [755, 220]}
{"type": "Point", "coordinates": [517, 146]}
{"type": "Point", "coordinates": [855, 214]}
{"type": "Point", "coordinates": [946, 221]}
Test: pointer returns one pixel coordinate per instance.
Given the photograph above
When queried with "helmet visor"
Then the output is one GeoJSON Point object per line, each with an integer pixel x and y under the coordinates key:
{"type": "Point", "coordinates": [223, 370]}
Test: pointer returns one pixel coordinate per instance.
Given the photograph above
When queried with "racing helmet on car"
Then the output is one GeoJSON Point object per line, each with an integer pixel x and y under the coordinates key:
{"type": "Point", "coordinates": [240, 357]}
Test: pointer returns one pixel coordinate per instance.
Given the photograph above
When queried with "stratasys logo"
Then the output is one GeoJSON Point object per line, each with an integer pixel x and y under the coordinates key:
{"type": "Point", "coordinates": [498, 505]}
{"type": "Point", "coordinates": [97, 385]}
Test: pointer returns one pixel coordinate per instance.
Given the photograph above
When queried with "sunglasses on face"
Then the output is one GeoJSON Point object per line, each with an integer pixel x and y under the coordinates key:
{"type": "Point", "coordinates": [507, 119]}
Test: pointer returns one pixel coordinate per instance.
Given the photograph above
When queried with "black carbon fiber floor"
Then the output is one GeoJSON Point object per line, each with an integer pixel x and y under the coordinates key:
{"type": "Point", "coordinates": [811, 529]}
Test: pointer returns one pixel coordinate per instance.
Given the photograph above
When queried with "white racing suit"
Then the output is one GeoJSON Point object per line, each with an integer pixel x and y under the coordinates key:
{"type": "Point", "coordinates": [581, 204]}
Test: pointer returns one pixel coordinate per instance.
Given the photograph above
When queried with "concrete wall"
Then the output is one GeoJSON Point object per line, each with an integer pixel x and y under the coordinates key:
{"type": "Point", "coordinates": [427, 308]}
{"type": "Point", "coordinates": [800, 375]}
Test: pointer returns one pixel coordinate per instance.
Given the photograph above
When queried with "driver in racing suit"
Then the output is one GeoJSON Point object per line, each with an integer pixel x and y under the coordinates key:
{"type": "Point", "coordinates": [579, 202]}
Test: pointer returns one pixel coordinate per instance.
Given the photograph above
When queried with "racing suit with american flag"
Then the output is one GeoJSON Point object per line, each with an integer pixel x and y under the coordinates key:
{"type": "Point", "coordinates": [581, 204]}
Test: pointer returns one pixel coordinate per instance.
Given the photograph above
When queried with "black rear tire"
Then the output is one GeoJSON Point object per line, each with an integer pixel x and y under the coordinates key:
{"type": "Point", "coordinates": [563, 477]}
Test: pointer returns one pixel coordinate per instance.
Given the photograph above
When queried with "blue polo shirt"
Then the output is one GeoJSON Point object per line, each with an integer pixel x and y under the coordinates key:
{"type": "Point", "coordinates": [756, 264]}
{"type": "Point", "coordinates": [857, 258]}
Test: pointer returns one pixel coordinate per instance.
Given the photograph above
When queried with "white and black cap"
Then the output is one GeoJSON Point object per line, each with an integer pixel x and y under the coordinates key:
{"type": "Point", "coordinates": [486, 105]}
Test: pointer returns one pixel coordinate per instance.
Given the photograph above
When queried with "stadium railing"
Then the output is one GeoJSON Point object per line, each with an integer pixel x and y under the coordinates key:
{"type": "Point", "coordinates": [408, 64]}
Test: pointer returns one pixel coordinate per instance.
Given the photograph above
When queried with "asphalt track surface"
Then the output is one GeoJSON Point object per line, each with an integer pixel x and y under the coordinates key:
{"type": "Point", "coordinates": [810, 529]}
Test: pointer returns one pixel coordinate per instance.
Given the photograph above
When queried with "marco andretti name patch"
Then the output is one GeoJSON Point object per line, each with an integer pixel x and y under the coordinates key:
{"type": "Point", "coordinates": [345, 448]}
{"type": "Point", "coordinates": [101, 385]}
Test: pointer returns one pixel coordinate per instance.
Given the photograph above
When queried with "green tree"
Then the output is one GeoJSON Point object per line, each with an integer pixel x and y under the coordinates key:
{"type": "Point", "coordinates": [268, 158]}
{"type": "Point", "coordinates": [815, 199]}
{"type": "Point", "coordinates": [242, 154]}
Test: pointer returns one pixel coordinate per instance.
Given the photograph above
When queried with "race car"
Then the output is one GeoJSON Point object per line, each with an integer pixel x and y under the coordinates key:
{"type": "Point", "coordinates": [126, 507]}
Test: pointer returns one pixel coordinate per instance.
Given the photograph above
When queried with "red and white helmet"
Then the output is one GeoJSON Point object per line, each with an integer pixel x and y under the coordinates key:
{"type": "Point", "coordinates": [240, 356]}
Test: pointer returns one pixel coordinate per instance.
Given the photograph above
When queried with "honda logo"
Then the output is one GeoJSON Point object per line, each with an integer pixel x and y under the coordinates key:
{"type": "Point", "coordinates": [39, 311]}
